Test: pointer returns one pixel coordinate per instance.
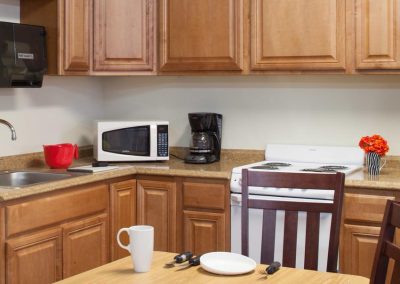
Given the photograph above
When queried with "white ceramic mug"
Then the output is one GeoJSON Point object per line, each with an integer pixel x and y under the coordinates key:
{"type": "Point", "coordinates": [141, 243]}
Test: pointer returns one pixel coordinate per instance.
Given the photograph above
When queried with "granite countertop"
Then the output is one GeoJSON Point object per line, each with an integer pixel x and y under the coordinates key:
{"type": "Point", "coordinates": [388, 180]}
{"type": "Point", "coordinates": [173, 167]}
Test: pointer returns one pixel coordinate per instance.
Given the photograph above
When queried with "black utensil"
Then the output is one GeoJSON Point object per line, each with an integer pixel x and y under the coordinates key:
{"type": "Point", "coordinates": [180, 258]}
{"type": "Point", "coordinates": [194, 261]}
{"type": "Point", "coordinates": [272, 268]}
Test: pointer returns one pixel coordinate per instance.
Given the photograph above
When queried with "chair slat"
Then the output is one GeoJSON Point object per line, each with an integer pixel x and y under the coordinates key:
{"type": "Point", "coordinates": [268, 236]}
{"type": "Point", "coordinates": [291, 206]}
{"type": "Point", "coordinates": [312, 241]}
{"type": "Point", "coordinates": [245, 216]}
{"type": "Point", "coordinates": [293, 180]}
{"type": "Point", "coordinates": [290, 239]}
{"type": "Point", "coordinates": [395, 220]}
{"type": "Point", "coordinates": [392, 251]}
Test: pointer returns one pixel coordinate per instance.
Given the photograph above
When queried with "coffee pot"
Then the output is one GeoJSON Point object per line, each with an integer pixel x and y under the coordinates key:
{"type": "Point", "coordinates": [205, 144]}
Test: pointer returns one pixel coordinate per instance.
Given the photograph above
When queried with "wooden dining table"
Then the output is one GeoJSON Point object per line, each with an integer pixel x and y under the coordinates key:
{"type": "Point", "coordinates": [121, 271]}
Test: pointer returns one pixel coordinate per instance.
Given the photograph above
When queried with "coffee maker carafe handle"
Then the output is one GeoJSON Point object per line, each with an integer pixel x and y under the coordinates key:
{"type": "Point", "coordinates": [218, 143]}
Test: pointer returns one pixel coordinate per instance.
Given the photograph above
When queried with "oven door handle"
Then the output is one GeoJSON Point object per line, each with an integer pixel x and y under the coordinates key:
{"type": "Point", "coordinates": [236, 199]}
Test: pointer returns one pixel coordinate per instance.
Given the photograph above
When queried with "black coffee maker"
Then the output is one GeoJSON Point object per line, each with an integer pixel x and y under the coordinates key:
{"type": "Point", "coordinates": [205, 145]}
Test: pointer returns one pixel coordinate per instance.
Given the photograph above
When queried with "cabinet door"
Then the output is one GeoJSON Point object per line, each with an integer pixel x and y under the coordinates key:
{"type": "Point", "coordinates": [298, 34]}
{"type": "Point", "coordinates": [358, 249]}
{"type": "Point", "coordinates": [35, 258]}
{"type": "Point", "coordinates": [76, 39]}
{"type": "Point", "coordinates": [378, 34]}
{"type": "Point", "coordinates": [123, 35]}
{"type": "Point", "coordinates": [157, 207]}
{"type": "Point", "coordinates": [201, 35]}
{"type": "Point", "coordinates": [85, 245]}
{"type": "Point", "coordinates": [123, 206]}
{"type": "Point", "coordinates": [203, 232]}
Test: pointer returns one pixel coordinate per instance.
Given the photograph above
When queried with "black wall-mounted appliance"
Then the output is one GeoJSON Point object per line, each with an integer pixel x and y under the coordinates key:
{"type": "Point", "coordinates": [23, 60]}
{"type": "Point", "coordinates": [205, 145]}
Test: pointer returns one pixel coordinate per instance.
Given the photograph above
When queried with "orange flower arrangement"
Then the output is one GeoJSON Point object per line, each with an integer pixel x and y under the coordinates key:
{"type": "Point", "coordinates": [374, 143]}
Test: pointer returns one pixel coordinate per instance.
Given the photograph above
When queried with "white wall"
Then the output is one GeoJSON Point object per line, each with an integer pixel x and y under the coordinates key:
{"type": "Point", "coordinates": [9, 11]}
{"type": "Point", "coordinates": [62, 111]}
{"type": "Point", "coordinates": [326, 110]}
{"type": "Point", "coordinates": [320, 110]}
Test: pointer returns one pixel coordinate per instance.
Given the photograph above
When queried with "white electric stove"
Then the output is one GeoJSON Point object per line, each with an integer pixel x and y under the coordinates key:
{"type": "Point", "coordinates": [291, 158]}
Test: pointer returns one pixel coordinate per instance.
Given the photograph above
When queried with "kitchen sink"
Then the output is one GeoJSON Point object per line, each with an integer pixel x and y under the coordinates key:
{"type": "Point", "coordinates": [18, 179]}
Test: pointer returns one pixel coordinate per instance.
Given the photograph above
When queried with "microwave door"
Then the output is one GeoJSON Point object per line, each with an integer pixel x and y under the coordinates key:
{"type": "Point", "coordinates": [132, 141]}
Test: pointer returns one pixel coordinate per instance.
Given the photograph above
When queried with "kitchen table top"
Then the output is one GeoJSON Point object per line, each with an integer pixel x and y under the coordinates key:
{"type": "Point", "coordinates": [389, 179]}
{"type": "Point", "coordinates": [121, 271]}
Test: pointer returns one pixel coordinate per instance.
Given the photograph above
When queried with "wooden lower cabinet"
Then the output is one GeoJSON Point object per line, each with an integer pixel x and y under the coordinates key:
{"type": "Point", "coordinates": [359, 245]}
{"type": "Point", "coordinates": [35, 257]}
{"type": "Point", "coordinates": [85, 245]}
{"type": "Point", "coordinates": [156, 202]}
{"type": "Point", "coordinates": [55, 235]}
{"type": "Point", "coordinates": [60, 234]}
{"type": "Point", "coordinates": [51, 255]}
{"type": "Point", "coordinates": [203, 232]}
{"type": "Point", "coordinates": [362, 219]}
{"type": "Point", "coordinates": [190, 214]}
{"type": "Point", "coordinates": [123, 214]}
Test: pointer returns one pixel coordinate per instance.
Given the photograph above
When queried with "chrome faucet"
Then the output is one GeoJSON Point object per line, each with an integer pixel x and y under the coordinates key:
{"type": "Point", "coordinates": [13, 133]}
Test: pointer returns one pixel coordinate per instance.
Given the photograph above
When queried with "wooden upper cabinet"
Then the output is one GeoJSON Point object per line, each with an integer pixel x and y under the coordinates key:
{"type": "Point", "coordinates": [201, 35]}
{"type": "Point", "coordinates": [76, 39]}
{"type": "Point", "coordinates": [378, 34]}
{"type": "Point", "coordinates": [298, 34]}
{"type": "Point", "coordinates": [123, 35]}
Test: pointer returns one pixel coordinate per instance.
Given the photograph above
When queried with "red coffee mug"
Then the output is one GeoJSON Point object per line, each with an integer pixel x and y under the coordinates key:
{"type": "Point", "coordinates": [59, 156]}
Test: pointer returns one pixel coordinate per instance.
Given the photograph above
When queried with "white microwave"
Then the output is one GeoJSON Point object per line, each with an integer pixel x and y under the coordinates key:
{"type": "Point", "coordinates": [131, 141]}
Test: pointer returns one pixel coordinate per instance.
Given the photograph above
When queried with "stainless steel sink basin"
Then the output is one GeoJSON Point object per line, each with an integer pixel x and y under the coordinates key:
{"type": "Point", "coordinates": [26, 178]}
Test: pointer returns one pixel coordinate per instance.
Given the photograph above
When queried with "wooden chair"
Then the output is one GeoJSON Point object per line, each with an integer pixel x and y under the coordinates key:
{"type": "Point", "coordinates": [329, 181]}
{"type": "Point", "coordinates": [386, 249]}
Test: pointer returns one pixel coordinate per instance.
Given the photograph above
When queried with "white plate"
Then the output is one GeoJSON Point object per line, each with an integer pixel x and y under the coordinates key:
{"type": "Point", "coordinates": [227, 263]}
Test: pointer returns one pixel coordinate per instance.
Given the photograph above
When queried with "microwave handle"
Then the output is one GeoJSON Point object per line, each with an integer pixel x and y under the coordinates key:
{"type": "Point", "coordinates": [153, 140]}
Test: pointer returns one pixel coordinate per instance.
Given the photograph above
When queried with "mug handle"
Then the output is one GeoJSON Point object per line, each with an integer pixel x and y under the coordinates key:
{"type": "Point", "coordinates": [76, 152]}
{"type": "Point", "coordinates": [118, 240]}
{"type": "Point", "coordinates": [383, 164]}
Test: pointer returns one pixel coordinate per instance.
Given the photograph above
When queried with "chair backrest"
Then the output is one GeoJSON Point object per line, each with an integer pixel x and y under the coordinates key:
{"type": "Point", "coordinates": [386, 249]}
{"type": "Point", "coordinates": [330, 181]}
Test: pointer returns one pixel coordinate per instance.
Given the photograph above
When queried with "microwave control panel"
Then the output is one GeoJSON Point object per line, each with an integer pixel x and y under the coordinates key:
{"type": "Point", "coordinates": [162, 140]}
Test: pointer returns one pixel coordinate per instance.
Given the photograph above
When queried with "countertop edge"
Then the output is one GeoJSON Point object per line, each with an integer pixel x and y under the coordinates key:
{"type": "Point", "coordinates": [7, 194]}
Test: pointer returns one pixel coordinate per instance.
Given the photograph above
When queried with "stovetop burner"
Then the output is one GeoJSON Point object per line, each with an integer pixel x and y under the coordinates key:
{"type": "Point", "coordinates": [265, 167]}
{"type": "Point", "coordinates": [319, 170]}
{"type": "Point", "coordinates": [334, 167]}
{"type": "Point", "coordinates": [276, 164]}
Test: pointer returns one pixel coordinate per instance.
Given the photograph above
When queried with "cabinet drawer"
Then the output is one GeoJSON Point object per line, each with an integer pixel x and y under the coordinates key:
{"type": "Point", "coordinates": [56, 208]}
{"type": "Point", "coordinates": [204, 195]}
{"type": "Point", "coordinates": [368, 208]}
